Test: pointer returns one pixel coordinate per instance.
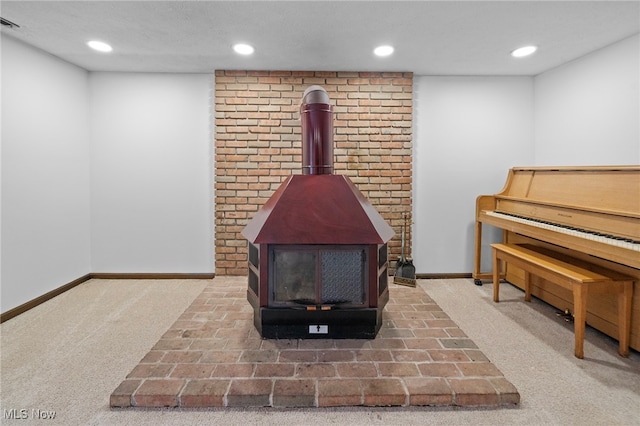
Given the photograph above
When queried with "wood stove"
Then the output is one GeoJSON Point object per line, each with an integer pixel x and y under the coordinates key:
{"type": "Point", "coordinates": [318, 263]}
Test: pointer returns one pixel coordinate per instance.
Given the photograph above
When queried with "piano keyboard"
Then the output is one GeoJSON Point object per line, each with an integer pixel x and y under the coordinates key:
{"type": "Point", "coordinates": [579, 233]}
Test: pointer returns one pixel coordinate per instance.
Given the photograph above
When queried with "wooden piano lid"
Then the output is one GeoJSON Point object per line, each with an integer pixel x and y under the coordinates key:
{"type": "Point", "coordinates": [606, 189]}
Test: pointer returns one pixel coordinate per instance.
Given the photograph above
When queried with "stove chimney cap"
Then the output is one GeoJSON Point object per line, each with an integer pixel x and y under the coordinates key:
{"type": "Point", "coordinates": [315, 95]}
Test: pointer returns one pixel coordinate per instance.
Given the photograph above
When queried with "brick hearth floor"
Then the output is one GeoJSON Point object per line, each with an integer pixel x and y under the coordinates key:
{"type": "Point", "coordinates": [212, 356]}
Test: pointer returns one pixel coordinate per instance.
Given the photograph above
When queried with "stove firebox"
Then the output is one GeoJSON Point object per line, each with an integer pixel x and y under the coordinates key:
{"type": "Point", "coordinates": [318, 263]}
{"type": "Point", "coordinates": [311, 275]}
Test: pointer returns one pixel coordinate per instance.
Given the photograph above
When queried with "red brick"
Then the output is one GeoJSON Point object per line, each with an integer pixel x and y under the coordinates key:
{"type": "Point", "coordinates": [153, 356]}
{"type": "Point", "coordinates": [121, 396]}
{"type": "Point", "coordinates": [357, 369]}
{"type": "Point", "coordinates": [297, 356]}
{"type": "Point", "coordinates": [473, 392]}
{"type": "Point", "coordinates": [422, 343]}
{"type": "Point", "coordinates": [144, 371]}
{"type": "Point", "coordinates": [253, 95]}
{"type": "Point", "coordinates": [259, 356]}
{"type": "Point", "coordinates": [195, 371]}
{"type": "Point", "coordinates": [507, 393]}
{"type": "Point", "coordinates": [339, 392]}
{"type": "Point", "coordinates": [249, 393]}
{"type": "Point", "coordinates": [204, 393]}
{"type": "Point", "coordinates": [358, 375]}
{"type": "Point", "coordinates": [452, 355]}
{"type": "Point", "coordinates": [315, 370]}
{"type": "Point", "coordinates": [179, 357]}
{"type": "Point", "coordinates": [434, 391]}
{"type": "Point", "coordinates": [294, 393]}
{"type": "Point", "coordinates": [158, 393]}
{"type": "Point", "coordinates": [410, 356]}
{"type": "Point", "coordinates": [476, 355]}
{"type": "Point", "coordinates": [373, 355]}
{"type": "Point", "coordinates": [172, 344]}
{"type": "Point", "coordinates": [383, 392]}
{"type": "Point", "coordinates": [336, 356]}
{"type": "Point", "coordinates": [274, 370]}
{"type": "Point", "coordinates": [439, 369]}
{"type": "Point", "coordinates": [398, 369]}
{"type": "Point", "coordinates": [233, 370]}
{"type": "Point", "coordinates": [478, 369]}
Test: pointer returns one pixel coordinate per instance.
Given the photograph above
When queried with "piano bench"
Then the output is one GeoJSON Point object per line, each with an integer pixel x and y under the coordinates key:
{"type": "Point", "coordinates": [578, 280]}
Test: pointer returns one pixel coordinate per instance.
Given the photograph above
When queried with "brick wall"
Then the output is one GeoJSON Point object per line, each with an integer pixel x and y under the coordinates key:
{"type": "Point", "coordinates": [257, 145]}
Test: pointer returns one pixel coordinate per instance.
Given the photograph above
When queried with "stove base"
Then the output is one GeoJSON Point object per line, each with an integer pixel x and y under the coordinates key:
{"type": "Point", "coordinates": [346, 323]}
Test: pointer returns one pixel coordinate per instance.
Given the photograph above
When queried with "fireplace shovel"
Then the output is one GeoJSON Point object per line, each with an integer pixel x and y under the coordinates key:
{"type": "Point", "coordinates": [405, 271]}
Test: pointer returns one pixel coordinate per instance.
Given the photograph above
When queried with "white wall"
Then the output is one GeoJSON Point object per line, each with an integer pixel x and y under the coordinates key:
{"type": "Point", "coordinates": [45, 173]}
{"type": "Point", "coordinates": [112, 172]}
{"type": "Point", "coordinates": [587, 112]}
{"type": "Point", "coordinates": [151, 159]}
{"type": "Point", "coordinates": [468, 132]}
{"type": "Point", "coordinates": [101, 172]}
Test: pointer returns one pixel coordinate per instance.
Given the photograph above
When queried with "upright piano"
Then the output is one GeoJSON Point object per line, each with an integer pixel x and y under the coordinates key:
{"type": "Point", "coordinates": [590, 214]}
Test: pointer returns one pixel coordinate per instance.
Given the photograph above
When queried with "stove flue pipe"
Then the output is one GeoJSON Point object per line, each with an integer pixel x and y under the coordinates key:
{"type": "Point", "coordinates": [316, 116]}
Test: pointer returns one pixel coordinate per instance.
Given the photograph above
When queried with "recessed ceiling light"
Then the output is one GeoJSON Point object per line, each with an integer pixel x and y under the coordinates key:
{"type": "Point", "coordinates": [383, 50]}
{"type": "Point", "coordinates": [521, 52]}
{"type": "Point", "coordinates": [243, 49]}
{"type": "Point", "coordinates": [99, 46]}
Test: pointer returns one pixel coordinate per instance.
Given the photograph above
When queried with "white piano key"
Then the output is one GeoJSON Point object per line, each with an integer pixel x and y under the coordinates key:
{"type": "Point", "coordinates": [635, 246]}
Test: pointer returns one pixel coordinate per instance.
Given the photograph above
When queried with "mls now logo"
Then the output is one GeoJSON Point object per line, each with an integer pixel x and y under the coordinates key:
{"type": "Point", "coordinates": [23, 414]}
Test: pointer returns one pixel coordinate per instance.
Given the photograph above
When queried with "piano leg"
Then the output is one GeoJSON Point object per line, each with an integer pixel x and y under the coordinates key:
{"type": "Point", "coordinates": [477, 259]}
{"type": "Point", "coordinates": [625, 293]}
{"type": "Point", "coordinates": [527, 286]}
{"type": "Point", "coordinates": [477, 253]}
{"type": "Point", "coordinates": [580, 294]}
{"type": "Point", "coordinates": [496, 276]}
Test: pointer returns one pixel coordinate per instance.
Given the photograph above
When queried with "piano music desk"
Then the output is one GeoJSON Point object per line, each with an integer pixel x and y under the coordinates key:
{"type": "Point", "coordinates": [581, 282]}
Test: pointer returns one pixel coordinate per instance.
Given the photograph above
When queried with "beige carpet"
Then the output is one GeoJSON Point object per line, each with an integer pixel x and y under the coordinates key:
{"type": "Point", "coordinates": [67, 355]}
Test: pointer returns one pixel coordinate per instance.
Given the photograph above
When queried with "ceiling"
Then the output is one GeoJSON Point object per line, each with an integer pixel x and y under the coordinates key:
{"type": "Point", "coordinates": [430, 37]}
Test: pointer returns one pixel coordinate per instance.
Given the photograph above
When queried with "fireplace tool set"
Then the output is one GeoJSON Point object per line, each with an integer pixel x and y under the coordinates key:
{"type": "Point", "coordinates": [405, 271]}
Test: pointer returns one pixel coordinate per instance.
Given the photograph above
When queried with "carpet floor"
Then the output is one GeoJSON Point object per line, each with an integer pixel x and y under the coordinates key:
{"type": "Point", "coordinates": [64, 358]}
